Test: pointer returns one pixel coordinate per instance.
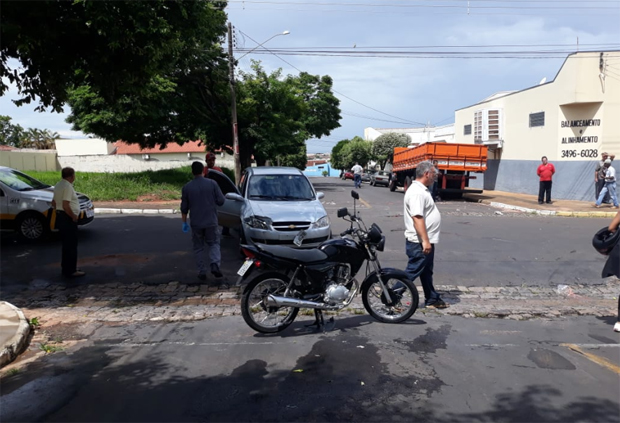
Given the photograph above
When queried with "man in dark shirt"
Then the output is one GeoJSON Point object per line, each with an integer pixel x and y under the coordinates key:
{"type": "Point", "coordinates": [200, 198]}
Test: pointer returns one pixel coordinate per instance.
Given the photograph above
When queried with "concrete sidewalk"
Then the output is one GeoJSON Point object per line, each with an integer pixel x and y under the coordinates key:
{"type": "Point", "coordinates": [529, 204]}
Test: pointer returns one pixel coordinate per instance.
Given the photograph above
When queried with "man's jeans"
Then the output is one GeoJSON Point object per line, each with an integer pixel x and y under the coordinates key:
{"type": "Point", "coordinates": [211, 238]}
{"type": "Point", "coordinates": [357, 180]}
{"type": "Point", "coordinates": [609, 187]}
{"type": "Point", "coordinates": [421, 265]}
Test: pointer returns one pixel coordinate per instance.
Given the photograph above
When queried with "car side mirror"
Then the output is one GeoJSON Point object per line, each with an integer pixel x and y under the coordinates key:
{"type": "Point", "coordinates": [343, 212]}
{"type": "Point", "coordinates": [355, 195]}
{"type": "Point", "coordinates": [320, 195]}
{"type": "Point", "coordinates": [234, 196]}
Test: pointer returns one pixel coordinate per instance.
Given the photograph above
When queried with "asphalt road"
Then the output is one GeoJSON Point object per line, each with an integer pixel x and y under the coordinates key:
{"type": "Point", "coordinates": [477, 246]}
{"type": "Point", "coordinates": [429, 369]}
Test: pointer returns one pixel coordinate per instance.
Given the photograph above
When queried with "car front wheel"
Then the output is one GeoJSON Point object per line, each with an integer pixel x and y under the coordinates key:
{"type": "Point", "coordinates": [32, 227]}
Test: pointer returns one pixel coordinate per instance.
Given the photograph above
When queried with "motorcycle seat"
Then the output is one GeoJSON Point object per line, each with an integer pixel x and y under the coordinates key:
{"type": "Point", "coordinates": [301, 256]}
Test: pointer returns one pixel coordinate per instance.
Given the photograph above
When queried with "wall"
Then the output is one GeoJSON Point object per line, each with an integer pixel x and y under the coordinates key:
{"type": "Point", "coordinates": [26, 159]}
{"type": "Point", "coordinates": [318, 170]}
{"type": "Point", "coordinates": [118, 163]}
{"type": "Point", "coordinates": [83, 147]}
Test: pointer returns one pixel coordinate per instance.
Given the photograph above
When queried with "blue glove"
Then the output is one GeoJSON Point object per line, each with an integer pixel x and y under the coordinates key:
{"type": "Point", "coordinates": [185, 227]}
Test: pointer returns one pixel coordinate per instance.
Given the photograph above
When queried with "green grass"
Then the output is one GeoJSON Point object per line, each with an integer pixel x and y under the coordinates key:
{"type": "Point", "coordinates": [157, 185]}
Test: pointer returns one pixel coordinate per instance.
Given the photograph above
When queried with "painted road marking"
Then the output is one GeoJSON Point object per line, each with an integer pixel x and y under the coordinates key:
{"type": "Point", "coordinates": [595, 358]}
{"type": "Point", "coordinates": [365, 203]}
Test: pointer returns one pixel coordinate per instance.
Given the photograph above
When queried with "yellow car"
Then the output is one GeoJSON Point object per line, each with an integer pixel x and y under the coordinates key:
{"type": "Point", "coordinates": [26, 205]}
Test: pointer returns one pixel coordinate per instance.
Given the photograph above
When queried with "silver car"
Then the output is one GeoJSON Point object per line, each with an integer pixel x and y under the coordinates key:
{"type": "Point", "coordinates": [272, 205]}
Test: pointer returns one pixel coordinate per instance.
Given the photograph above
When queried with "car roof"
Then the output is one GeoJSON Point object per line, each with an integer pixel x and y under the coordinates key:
{"type": "Point", "coordinates": [273, 170]}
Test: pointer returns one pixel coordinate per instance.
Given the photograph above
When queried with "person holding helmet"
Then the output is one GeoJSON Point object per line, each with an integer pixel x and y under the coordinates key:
{"type": "Point", "coordinates": [612, 266]}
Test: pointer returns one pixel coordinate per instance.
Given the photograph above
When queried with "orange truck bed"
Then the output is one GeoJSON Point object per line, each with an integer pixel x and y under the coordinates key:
{"type": "Point", "coordinates": [449, 156]}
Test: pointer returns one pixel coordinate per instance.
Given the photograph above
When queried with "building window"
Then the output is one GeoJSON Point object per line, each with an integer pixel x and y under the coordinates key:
{"type": "Point", "coordinates": [488, 125]}
{"type": "Point", "coordinates": [467, 130]}
{"type": "Point", "coordinates": [537, 119]}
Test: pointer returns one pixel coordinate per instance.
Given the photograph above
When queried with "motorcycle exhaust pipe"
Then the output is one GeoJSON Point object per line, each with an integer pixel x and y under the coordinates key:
{"type": "Point", "coordinates": [274, 301]}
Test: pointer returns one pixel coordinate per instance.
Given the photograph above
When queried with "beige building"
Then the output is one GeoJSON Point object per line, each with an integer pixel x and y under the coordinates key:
{"type": "Point", "coordinates": [571, 120]}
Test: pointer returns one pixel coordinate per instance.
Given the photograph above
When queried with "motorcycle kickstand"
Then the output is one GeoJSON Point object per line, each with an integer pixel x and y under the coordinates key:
{"type": "Point", "coordinates": [319, 321]}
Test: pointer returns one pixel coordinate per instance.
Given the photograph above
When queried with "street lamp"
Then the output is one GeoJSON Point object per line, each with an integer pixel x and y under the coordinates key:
{"type": "Point", "coordinates": [233, 98]}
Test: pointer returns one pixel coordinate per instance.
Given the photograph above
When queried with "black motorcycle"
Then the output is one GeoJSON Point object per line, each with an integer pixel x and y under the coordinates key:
{"type": "Point", "coordinates": [323, 278]}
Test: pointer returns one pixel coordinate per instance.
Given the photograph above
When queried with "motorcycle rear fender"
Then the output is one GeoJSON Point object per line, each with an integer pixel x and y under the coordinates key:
{"type": "Point", "coordinates": [386, 273]}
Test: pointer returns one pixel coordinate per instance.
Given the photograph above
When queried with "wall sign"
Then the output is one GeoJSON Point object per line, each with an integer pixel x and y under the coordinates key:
{"type": "Point", "coordinates": [579, 147]}
{"type": "Point", "coordinates": [580, 122]}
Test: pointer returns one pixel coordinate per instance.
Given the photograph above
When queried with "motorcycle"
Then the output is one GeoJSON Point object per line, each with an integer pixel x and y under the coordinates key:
{"type": "Point", "coordinates": [323, 278]}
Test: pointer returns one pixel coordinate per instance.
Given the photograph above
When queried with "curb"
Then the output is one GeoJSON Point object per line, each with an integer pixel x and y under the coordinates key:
{"type": "Point", "coordinates": [547, 212]}
{"type": "Point", "coordinates": [15, 345]}
{"type": "Point", "coordinates": [136, 211]}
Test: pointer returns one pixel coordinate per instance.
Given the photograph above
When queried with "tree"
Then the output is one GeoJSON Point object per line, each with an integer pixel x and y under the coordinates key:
{"type": "Point", "coordinates": [277, 115]}
{"type": "Point", "coordinates": [10, 134]}
{"type": "Point", "coordinates": [298, 160]}
{"type": "Point", "coordinates": [116, 48]}
{"type": "Point", "coordinates": [356, 151]}
{"type": "Point", "coordinates": [336, 160]}
{"type": "Point", "coordinates": [41, 139]}
{"type": "Point", "coordinates": [383, 146]}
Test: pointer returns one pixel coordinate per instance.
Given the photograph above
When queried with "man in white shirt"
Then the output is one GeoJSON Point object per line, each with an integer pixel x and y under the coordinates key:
{"type": "Point", "coordinates": [610, 185]}
{"type": "Point", "coordinates": [67, 213]}
{"type": "Point", "coordinates": [422, 227]}
{"type": "Point", "coordinates": [357, 175]}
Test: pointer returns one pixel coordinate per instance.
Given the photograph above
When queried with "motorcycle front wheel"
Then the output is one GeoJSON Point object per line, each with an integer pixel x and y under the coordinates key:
{"type": "Point", "coordinates": [402, 302]}
{"type": "Point", "coordinates": [259, 316]}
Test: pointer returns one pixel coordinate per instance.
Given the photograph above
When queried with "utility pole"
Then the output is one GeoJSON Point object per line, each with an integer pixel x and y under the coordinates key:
{"type": "Point", "coordinates": [233, 105]}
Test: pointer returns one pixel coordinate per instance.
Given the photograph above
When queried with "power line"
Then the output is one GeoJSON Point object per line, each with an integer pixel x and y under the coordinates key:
{"type": "Point", "coordinates": [431, 55]}
{"type": "Point", "coordinates": [372, 118]}
{"type": "Point", "coordinates": [337, 92]}
{"type": "Point", "coordinates": [421, 6]}
{"type": "Point", "coordinates": [592, 46]}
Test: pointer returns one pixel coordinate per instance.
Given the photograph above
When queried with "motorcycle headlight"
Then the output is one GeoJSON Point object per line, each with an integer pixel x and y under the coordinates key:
{"type": "Point", "coordinates": [258, 222]}
{"type": "Point", "coordinates": [322, 222]}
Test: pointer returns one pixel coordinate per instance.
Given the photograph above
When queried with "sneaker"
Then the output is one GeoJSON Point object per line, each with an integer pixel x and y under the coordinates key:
{"type": "Point", "coordinates": [77, 274]}
{"type": "Point", "coordinates": [436, 304]}
{"type": "Point", "coordinates": [215, 271]}
{"type": "Point", "coordinates": [617, 327]}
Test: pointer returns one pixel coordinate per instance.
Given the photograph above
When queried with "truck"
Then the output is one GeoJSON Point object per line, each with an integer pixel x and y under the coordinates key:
{"type": "Point", "coordinates": [455, 161]}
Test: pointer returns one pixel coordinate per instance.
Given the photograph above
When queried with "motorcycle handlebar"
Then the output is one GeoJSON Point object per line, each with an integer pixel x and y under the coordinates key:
{"type": "Point", "coordinates": [347, 232]}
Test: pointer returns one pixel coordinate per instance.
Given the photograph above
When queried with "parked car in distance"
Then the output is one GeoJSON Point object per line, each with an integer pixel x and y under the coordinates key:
{"type": "Point", "coordinates": [347, 175]}
{"type": "Point", "coordinates": [381, 177]}
{"type": "Point", "coordinates": [366, 176]}
{"type": "Point", "coordinates": [272, 205]}
{"type": "Point", "coordinates": [26, 205]}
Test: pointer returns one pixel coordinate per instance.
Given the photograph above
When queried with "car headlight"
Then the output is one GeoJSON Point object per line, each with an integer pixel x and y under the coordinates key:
{"type": "Point", "coordinates": [258, 222]}
{"type": "Point", "coordinates": [322, 222]}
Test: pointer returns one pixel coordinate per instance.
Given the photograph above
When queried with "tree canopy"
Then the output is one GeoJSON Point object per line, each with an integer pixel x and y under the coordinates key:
{"type": "Point", "coordinates": [337, 161]}
{"type": "Point", "coordinates": [383, 146]}
{"type": "Point", "coordinates": [15, 136]}
{"type": "Point", "coordinates": [116, 48]}
{"type": "Point", "coordinates": [356, 151]}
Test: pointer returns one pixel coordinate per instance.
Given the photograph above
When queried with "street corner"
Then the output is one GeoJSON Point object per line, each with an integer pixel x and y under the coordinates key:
{"type": "Point", "coordinates": [14, 332]}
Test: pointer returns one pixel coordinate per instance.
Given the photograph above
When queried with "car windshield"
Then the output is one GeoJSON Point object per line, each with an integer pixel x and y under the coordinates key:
{"type": "Point", "coordinates": [20, 181]}
{"type": "Point", "coordinates": [280, 187]}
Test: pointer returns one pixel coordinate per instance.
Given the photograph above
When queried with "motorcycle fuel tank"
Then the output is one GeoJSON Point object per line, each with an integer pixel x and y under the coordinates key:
{"type": "Point", "coordinates": [344, 250]}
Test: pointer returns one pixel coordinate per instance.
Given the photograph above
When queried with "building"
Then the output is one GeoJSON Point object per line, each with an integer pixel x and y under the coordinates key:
{"type": "Point", "coordinates": [418, 135]}
{"type": "Point", "coordinates": [571, 120]}
{"type": "Point", "coordinates": [83, 147]}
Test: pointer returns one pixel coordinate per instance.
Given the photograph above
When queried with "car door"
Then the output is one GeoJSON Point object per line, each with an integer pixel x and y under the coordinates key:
{"type": "Point", "coordinates": [228, 215]}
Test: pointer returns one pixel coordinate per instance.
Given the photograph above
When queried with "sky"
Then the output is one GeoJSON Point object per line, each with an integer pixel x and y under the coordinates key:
{"type": "Point", "coordinates": [424, 58]}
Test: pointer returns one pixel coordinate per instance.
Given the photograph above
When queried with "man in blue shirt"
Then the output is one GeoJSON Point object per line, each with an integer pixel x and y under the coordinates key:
{"type": "Point", "coordinates": [200, 198]}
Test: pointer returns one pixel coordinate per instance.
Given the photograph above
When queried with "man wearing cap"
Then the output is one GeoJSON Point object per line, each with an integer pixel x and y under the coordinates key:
{"type": "Point", "coordinates": [610, 185]}
{"type": "Point", "coordinates": [599, 177]}
{"type": "Point", "coordinates": [545, 172]}
{"type": "Point", "coordinates": [210, 159]}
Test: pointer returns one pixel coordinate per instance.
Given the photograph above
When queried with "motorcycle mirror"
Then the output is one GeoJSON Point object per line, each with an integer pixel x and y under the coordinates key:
{"type": "Point", "coordinates": [299, 238]}
{"type": "Point", "coordinates": [343, 212]}
{"type": "Point", "coordinates": [355, 195]}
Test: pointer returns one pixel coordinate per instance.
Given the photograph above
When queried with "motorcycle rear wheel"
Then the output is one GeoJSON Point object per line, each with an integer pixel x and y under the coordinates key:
{"type": "Point", "coordinates": [401, 305]}
{"type": "Point", "coordinates": [256, 314]}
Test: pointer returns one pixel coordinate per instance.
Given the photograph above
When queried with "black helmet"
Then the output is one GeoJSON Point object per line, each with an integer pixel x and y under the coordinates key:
{"type": "Point", "coordinates": [604, 241]}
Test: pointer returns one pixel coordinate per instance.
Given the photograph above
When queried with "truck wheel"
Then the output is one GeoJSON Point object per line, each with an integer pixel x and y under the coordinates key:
{"type": "Point", "coordinates": [392, 186]}
{"type": "Point", "coordinates": [407, 183]}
